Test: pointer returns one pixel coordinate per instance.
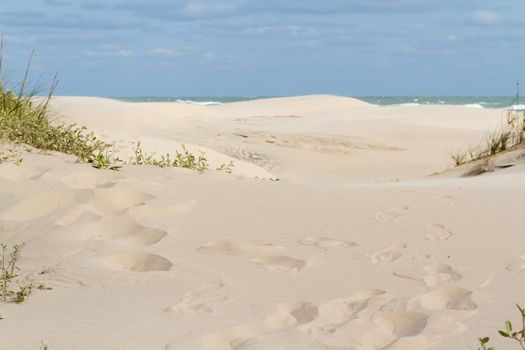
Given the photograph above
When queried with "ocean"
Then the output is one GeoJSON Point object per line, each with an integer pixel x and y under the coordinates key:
{"type": "Point", "coordinates": [468, 101]}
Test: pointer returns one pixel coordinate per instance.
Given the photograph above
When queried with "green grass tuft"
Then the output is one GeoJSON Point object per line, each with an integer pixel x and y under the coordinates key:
{"type": "Point", "coordinates": [9, 277]}
{"type": "Point", "coordinates": [24, 120]}
{"type": "Point", "coordinates": [511, 134]}
{"type": "Point", "coordinates": [182, 159]}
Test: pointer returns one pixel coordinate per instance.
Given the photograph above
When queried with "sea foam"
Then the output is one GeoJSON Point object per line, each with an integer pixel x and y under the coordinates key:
{"type": "Point", "coordinates": [516, 108]}
{"type": "Point", "coordinates": [200, 103]}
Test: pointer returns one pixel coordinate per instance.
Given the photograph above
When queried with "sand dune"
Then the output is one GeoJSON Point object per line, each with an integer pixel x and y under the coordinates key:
{"type": "Point", "coordinates": [357, 247]}
{"type": "Point", "coordinates": [316, 138]}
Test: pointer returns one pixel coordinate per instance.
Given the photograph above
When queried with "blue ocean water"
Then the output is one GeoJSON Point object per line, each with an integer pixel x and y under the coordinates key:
{"type": "Point", "coordinates": [470, 101]}
{"type": "Point", "coordinates": [201, 100]}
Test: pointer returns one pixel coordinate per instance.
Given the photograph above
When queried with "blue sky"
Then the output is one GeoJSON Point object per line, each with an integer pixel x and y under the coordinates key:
{"type": "Point", "coordinates": [268, 47]}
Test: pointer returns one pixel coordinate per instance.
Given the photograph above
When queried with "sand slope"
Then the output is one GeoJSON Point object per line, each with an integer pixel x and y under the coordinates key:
{"type": "Point", "coordinates": [331, 257]}
{"type": "Point", "coordinates": [325, 139]}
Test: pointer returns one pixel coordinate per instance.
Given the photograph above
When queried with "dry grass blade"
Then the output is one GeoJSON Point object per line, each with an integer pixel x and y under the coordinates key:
{"type": "Point", "coordinates": [24, 120]}
{"type": "Point", "coordinates": [511, 134]}
{"type": "Point", "coordinates": [1, 60]}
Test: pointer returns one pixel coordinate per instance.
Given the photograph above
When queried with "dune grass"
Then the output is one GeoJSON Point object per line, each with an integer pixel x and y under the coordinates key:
{"type": "Point", "coordinates": [25, 121]}
{"type": "Point", "coordinates": [511, 134]}
{"type": "Point", "coordinates": [12, 289]}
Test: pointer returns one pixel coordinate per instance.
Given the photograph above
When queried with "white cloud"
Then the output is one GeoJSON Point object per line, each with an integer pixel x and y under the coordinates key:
{"type": "Point", "coordinates": [162, 51]}
{"type": "Point", "coordinates": [196, 10]}
{"type": "Point", "coordinates": [209, 55]}
{"type": "Point", "coordinates": [108, 51]}
{"type": "Point", "coordinates": [486, 17]}
{"type": "Point", "coordinates": [17, 39]}
{"type": "Point", "coordinates": [124, 53]}
{"type": "Point", "coordinates": [8, 37]}
{"type": "Point", "coordinates": [257, 30]}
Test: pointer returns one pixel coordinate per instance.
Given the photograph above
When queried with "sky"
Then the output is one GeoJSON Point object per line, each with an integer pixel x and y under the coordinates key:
{"type": "Point", "coordinates": [267, 47]}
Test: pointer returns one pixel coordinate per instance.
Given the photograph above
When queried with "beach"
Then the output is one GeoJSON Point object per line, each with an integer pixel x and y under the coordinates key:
{"type": "Point", "coordinates": [343, 225]}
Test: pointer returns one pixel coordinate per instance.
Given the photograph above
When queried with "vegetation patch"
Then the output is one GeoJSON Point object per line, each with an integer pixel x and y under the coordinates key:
{"type": "Point", "coordinates": [24, 120]}
{"type": "Point", "coordinates": [510, 135]}
{"type": "Point", "coordinates": [182, 159]}
{"type": "Point", "coordinates": [12, 289]}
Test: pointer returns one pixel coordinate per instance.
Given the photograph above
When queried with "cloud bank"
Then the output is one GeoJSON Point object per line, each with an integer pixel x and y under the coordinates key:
{"type": "Point", "coordinates": [270, 47]}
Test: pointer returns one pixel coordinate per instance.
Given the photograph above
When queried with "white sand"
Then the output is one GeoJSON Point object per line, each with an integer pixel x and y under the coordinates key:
{"type": "Point", "coordinates": [357, 247]}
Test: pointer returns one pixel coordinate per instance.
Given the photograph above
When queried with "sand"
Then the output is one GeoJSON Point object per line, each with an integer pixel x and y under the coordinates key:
{"type": "Point", "coordinates": [366, 242]}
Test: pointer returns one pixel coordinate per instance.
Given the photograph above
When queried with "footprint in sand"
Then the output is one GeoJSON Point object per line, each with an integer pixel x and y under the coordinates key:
{"type": "Point", "coordinates": [439, 232]}
{"type": "Point", "coordinates": [390, 254]}
{"type": "Point", "coordinates": [159, 213]}
{"type": "Point", "coordinates": [24, 171]}
{"type": "Point", "coordinates": [261, 254]}
{"type": "Point", "coordinates": [280, 263]}
{"type": "Point", "coordinates": [517, 266]}
{"type": "Point", "coordinates": [391, 214]}
{"type": "Point", "coordinates": [138, 262]}
{"type": "Point", "coordinates": [77, 216]}
{"type": "Point", "coordinates": [89, 179]}
{"type": "Point", "coordinates": [285, 317]}
{"type": "Point", "coordinates": [448, 298]}
{"type": "Point", "coordinates": [5, 234]}
{"type": "Point", "coordinates": [448, 200]}
{"type": "Point", "coordinates": [432, 275]}
{"type": "Point", "coordinates": [336, 312]}
{"type": "Point", "coordinates": [399, 324]}
{"type": "Point", "coordinates": [355, 322]}
{"type": "Point", "coordinates": [234, 249]}
{"type": "Point", "coordinates": [397, 190]}
{"type": "Point", "coordinates": [368, 319]}
{"type": "Point", "coordinates": [122, 229]}
{"type": "Point", "coordinates": [43, 204]}
{"type": "Point", "coordinates": [204, 300]}
{"type": "Point", "coordinates": [442, 327]}
{"type": "Point", "coordinates": [116, 199]}
{"type": "Point", "coordinates": [292, 314]}
{"type": "Point", "coordinates": [326, 242]}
